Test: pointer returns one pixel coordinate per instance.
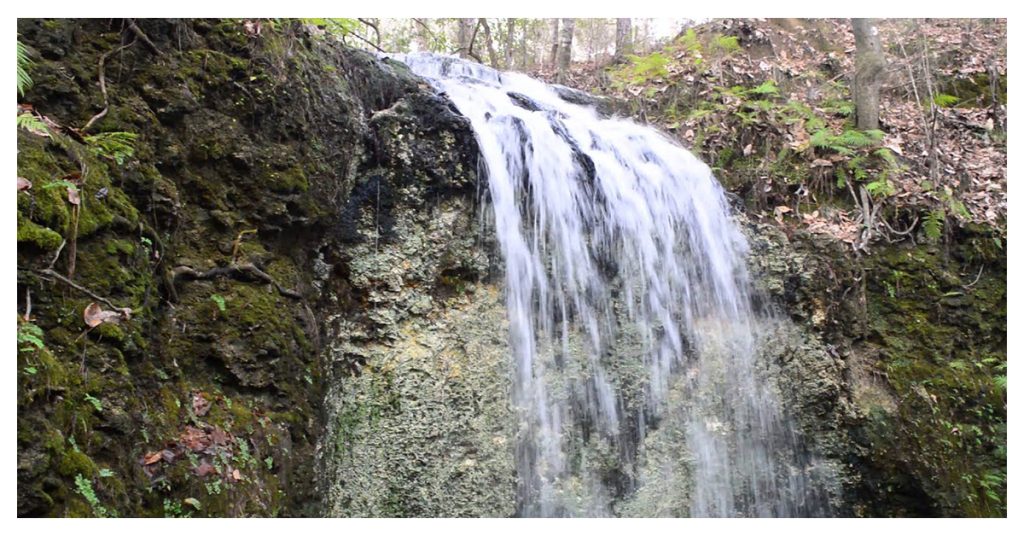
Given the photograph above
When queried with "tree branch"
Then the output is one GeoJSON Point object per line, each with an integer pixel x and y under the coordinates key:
{"type": "Point", "coordinates": [245, 272]}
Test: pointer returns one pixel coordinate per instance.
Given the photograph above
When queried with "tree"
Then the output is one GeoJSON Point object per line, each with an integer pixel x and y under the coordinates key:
{"type": "Point", "coordinates": [553, 58]}
{"type": "Point", "coordinates": [870, 67]}
{"type": "Point", "coordinates": [465, 36]}
{"type": "Point", "coordinates": [510, 39]}
{"type": "Point", "coordinates": [565, 48]}
{"type": "Point", "coordinates": [491, 55]}
{"type": "Point", "coordinates": [623, 38]}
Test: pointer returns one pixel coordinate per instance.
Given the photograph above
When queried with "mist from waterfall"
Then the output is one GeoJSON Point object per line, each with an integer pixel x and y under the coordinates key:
{"type": "Point", "coordinates": [610, 231]}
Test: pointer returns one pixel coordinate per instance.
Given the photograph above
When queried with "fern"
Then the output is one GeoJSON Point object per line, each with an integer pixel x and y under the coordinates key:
{"type": "Point", "coordinates": [933, 223]}
{"type": "Point", "coordinates": [846, 142]}
{"type": "Point", "coordinates": [690, 41]}
{"type": "Point", "coordinates": [337, 27]}
{"type": "Point", "coordinates": [96, 403]}
{"type": "Point", "coordinates": [117, 146]}
{"type": "Point", "coordinates": [648, 67]}
{"type": "Point", "coordinates": [32, 124]}
{"type": "Point", "coordinates": [881, 187]}
{"type": "Point", "coordinates": [726, 43]}
{"type": "Point", "coordinates": [766, 88]}
{"type": "Point", "coordinates": [30, 335]}
{"type": "Point", "coordinates": [84, 488]}
{"type": "Point", "coordinates": [24, 62]}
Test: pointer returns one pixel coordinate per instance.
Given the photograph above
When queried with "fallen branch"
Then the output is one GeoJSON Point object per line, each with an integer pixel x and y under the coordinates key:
{"type": "Point", "coordinates": [49, 272]}
{"type": "Point", "coordinates": [103, 87]}
{"type": "Point", "coordinates": [975, 282]}
{"type": "Point", "coordinates": [244, 272]}
{"type": "Point", "coordinates": [143, 37]}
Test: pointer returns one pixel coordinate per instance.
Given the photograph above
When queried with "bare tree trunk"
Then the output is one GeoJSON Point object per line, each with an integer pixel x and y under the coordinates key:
{"type": "Point", "coordinates": [491, 55]}
{"type": "Point", "coordinates": [464, 36]}
{"type": "Point", "coordinates": [553, 58]}
{"type": "Point", "coordinates": [510, 39]}
{"type": "Point", "coordinates": [869, 74]}
{"type": "Point", "coordinates": [623, 38]}
{"type": "Point", "coordinates": [565, 48]}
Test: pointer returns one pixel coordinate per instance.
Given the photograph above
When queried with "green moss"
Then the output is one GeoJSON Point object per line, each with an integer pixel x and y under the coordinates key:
{"type": "Point", "coordinates": [33, 233]}
{"type": "Point", "coordinates": [942, 346]}
{"type": "Point", "coordinates": [110, 331]}
{"type": "Point", "coordinates": [75, 462]}
{"type": "Point", "coordinates": [289, 180]}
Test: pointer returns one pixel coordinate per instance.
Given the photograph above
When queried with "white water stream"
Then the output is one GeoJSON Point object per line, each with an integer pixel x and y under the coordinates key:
{"type": "Point", "coordinates": [606, 225]}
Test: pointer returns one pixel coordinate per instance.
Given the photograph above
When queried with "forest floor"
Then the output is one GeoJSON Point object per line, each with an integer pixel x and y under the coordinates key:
{"type": "Point", "coordinates": [769, 105]}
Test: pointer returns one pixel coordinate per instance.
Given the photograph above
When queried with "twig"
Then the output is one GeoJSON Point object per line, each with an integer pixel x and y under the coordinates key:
{"type": "Point", "coordinates": [238, 242]}
{"type": "Point", "coordinates": [28, 302]}
{"type": "Point", "coordinates": [103, 86]}
{"type": "Point", "coordinates": [371, 24]}
{"type": "Point", "coordinates": [76, 211]}
{"type": "Point", "coordinates": [50, 273]}
{"type": "Point", "coordinates": [143, 37]}
{"type": "Point", "coordinates": [239, 271]}
{"type": "Point", "coordinates": [975, 282]}
{"type": "Point", "coordinates": [368, 42]}
{"type": "Point", "coordinates": [57, 255]}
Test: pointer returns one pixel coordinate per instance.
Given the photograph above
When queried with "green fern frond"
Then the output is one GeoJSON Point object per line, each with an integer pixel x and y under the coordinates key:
{"type": "Point", "coordinates": [24, 62]}
{"type": "Point", "coordinates": [32, 124]}
{"type": "Point", "coordinates": [118, 146]}
{"type": "Point", "coordinates": [933, 223]}
{"type": "Point", "coordinates": [766, 88]}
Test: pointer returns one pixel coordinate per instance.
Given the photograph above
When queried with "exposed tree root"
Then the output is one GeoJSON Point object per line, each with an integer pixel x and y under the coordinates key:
{"type": "Point", "coordinates": [243, 272]}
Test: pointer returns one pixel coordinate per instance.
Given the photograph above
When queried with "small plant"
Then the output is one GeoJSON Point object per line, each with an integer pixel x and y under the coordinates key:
{"type": "Point", "coordinates": [766, 88]}
{"type": "Point", "coordinates": [943, 100]}
{"type": "Point", "coordinates": [84, 488]}
{"type": "Point", "coordinates": [106, 473]}
{"type": "Point", "coordinates": [95, 402]}
{"type": "Point", "coordinates": [219, 300]}
{"type": "Point", "coordinates": [269, 461]}
{"type": "Point", "coordinates": [213, 488]}
{"type": "Point", "coordinates": [648, 67]}
{"type": "Point", "coordinates": [24, 62]}
{"type": "Point", "coordinates": [725, 43]}
{"type": "Point", "coordinates": [174, 509]}
{"type": "Point", "coordinates": [31, 123]}
{"type": "Point", "coordinates": [934, 221]}
{"type": "Point", "coordinates": [30, 337]}
{"type": "Point", "coordinates": [116, 146]}
{"type": "Point", "coordinates": [847, 142]}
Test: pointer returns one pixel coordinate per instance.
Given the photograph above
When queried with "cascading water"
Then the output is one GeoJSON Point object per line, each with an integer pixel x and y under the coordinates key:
{"type": "Point", "coordinates": [608, 231]}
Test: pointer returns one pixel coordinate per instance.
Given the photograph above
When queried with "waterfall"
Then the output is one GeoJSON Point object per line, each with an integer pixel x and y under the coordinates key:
{"type": "Point", "coordinates": [619, 250]}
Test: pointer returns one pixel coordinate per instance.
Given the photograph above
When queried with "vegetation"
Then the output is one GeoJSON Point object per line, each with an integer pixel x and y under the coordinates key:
{"type": "Point", "coordinates": [211, 179]}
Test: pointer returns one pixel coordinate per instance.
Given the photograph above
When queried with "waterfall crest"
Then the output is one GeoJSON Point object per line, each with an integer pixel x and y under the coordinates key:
{"type": "Point", "coordinates": [626, 292]}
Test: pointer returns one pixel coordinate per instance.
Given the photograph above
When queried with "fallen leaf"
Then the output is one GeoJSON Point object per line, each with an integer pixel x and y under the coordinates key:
{"type": "Point", "coordinates": [236, 475]}
{"type": "Point", "coordinates": [73, 197]}
{"type": "Point", "coordinates": [194, 503]}
{"type": "Point", "coordinates": [94, 315]}
{"type": "Point", "coordinates": [205, 468]}
{"type": "Point", "coordinates": [200, 405]}
{"type": "Point", "coordinates": [167, 455]}
{"type": "Point", "coordinates": [24, 184]}
{"type": "Point", "coordinates": [194, 439]}
{"type": "Point", "coordinates": [219, 437]}
{"type": "Point", "coordinates": [748, 149]}
{"type": "Point", "coordinates": [152, 457]}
